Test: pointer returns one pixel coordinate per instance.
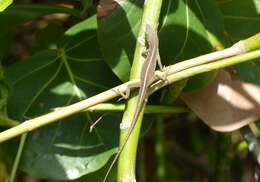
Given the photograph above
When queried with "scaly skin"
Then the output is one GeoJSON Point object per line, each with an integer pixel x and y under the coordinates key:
{"type": "Point", "coordinates": [146, 79]}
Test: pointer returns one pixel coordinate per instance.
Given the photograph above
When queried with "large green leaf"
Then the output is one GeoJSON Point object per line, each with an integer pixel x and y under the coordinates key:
{"type": "Point", "coordinates": [242, 18]}
{"type": "Point", "coordinates": [117, 34]}
{"type": "Point", "coordinates": [186, 31]}
{"type": "Point", "coordinates": [183, 34]}
{"type": "Point", "coordinates": [64, 150]}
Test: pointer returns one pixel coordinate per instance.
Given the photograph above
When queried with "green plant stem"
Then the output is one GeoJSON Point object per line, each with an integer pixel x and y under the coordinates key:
{"type": "Point", "coordinates": [149, 109]}
{"type": "Point", "coordinates": [252, 43]}
{"type": "Point", "coordinates": [17, 158]}
{"type": "Point", "coordinates": [213, 66]}
{"type": "Point", "coordinates": [127, 158]}
{"type": "Point", "coordinates": [160, 150]}
{"type": "Point", "coordinates": [64, 112]}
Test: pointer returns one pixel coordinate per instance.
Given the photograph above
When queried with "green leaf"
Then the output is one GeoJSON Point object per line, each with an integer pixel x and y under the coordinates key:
{"type": "Point", "coordinates": [213, 21]}
{"type": "Point", "coordinates": [242, 18]}
{"type": "Point", "coordinates": [183, 34]}
{"type": "Point", "coordinates": [47, 80]}
{"type": "Point", "coordinates": [117, 33]}
{"type": "Point", "coordinates": [99, 175]}
{"type": "Point", "coordinates": [4, 4]}
{"type": "Point", "coordinates": [187, 28]}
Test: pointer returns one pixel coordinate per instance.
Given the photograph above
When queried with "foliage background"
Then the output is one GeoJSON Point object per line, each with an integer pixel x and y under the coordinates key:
{"type": "Point", "coordinates": [52, 60]}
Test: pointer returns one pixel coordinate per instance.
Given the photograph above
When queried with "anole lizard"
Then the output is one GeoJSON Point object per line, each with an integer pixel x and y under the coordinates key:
{"type": "Point", "coordinates": [146, 79]}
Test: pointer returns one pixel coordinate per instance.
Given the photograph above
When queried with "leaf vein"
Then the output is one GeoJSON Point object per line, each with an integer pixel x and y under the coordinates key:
{"type": "Point", "coordinates": [33, 71]}
{"type": "Point", "coordinates": [187, 30]}
{"type": "Point", "coordinates": [42, 89]}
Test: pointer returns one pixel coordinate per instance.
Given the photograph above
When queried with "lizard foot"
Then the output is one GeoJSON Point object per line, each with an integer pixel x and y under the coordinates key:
{"type": "Point", "coordinates": [124, 95]}
{"type": "Point", "coordinates": [166, 71]}
{"type": "Point", "coordinates": [163, 77]}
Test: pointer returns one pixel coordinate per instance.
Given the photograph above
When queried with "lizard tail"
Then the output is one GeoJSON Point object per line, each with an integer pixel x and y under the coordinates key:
{"type": "Point", "coordinates": [125, 142]}
{"type": "Point", "coordinates": [118, 153]}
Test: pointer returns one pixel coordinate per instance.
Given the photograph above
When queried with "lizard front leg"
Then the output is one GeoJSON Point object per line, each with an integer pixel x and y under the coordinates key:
{"type": "Point", "coordinates": [125, 94]}
{"type": "Point", "coordinates": [162, 68]}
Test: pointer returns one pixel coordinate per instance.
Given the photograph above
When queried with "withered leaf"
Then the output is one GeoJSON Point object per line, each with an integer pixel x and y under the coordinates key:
{"type": "Point", "coordinates": [225, 105]}
{"type": "Point", "coordinates": [105, 7]}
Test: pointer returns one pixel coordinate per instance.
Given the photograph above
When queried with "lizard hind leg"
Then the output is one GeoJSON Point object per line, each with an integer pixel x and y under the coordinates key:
{"type": "Point", "coordinates": [163, 76]}
{"type": "Point", "coordinates": [162, 68]}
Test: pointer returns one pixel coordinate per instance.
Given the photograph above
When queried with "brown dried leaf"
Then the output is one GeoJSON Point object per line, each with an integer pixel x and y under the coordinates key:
{"type": "Point", "coordinates": [105, 7]}
{"type": "Point", "coordinates": [225, 105]}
